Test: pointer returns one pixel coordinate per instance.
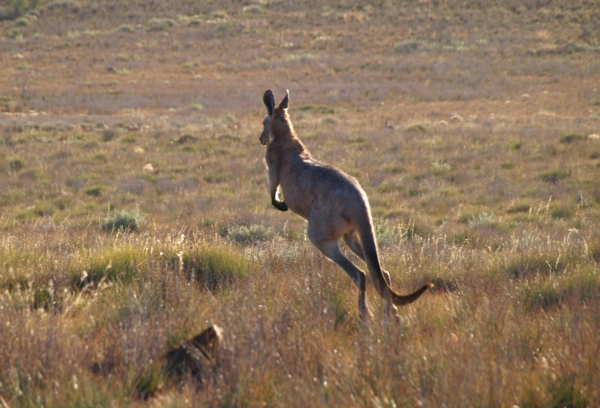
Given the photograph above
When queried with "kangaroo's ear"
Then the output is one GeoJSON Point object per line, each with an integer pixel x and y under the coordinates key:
{"type": "Point", "coordinates": [284, 103]}
{"type": "Point", "coordinates": [269, 101]}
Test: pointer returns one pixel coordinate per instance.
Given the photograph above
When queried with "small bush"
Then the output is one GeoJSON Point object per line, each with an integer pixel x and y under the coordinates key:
{"type": "Point", "coordinates": [463, 238]}
{"type": "Point", "coordinates": [160, 24]}
{"type": "Point", "coordinates": [516, 145]}
{"type": "Point", "coordinates": [483, 220]}
{"type": "Point", "coordinates": [332, 120]}
{"type": "Point", "coordinates": [129, 139]}
{"type": "Point", "coordinates": [594, 250]}
{"type": "Point", "coordinates": [18, 9]}
{"type": "Point", "coordinates": [440, 167]}
{"type": "Point", "coordinates": [389, 187]}
{"type": "Point", "coordinates": [25, 214]}
{"type": "Point", "coordinates": [7, 104]}
{"type": "Point", "coordinates": [358, 139]}
{"type": "Point", "coordinates": [187, 139]}
{"type": "Point", "coordinates": [253, 9]}
{"type": "Point", "coordinates": [564, 394]}
{"type": "Point", "coordinates": [94, 191]}
{"type": "Point", "coordinates": [108, 135]}
{"type": "Point", "coordinates": [249, 235]}
{"type": "Point", "coordinates": [578, 285]}
{"type": "Point", "coordinates": [43, 298]}
{"type": "Point", "coordinates": [43, 209]}
{"type": "Point", "coordinates": [528, 265]}
{"type": "Point", "coordinates": [125, 28]}
{"type": "Point", "coordinates": [120, 263]}
{"type": "Point", "coordinates": [406, 47]}
{"type": "Point", "coordinates": [316, 108]}
{"type": "Point", "coordinates": [572, 137]}
{"type": "Point", "coordinates": [122, 221]}
{"type": "Point", "coordinates": [394, 169]}
{"type": "Point", "coordinates": [562, 211]}
{"type": "Point", "coordinates": [554, 176]}
{"type": "Point", "coordinates": [215, 266]}
{"type": "Point", "coordinates": [16, 164]}
{"type": "Point", "coordinates": [416, 128]}
{"type": "Point", "coordinates": [519, 208]}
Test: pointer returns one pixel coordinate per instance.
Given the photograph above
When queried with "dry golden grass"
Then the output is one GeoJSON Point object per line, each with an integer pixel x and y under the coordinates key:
{"type": "Point", "coordinates": [134, 207]}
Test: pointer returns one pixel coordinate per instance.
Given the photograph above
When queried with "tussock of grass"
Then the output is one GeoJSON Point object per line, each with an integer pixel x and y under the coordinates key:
{"type": "Point", "coordinates": [527, 265]}
{"type": "Point", "coordinates": [316, 108]}
{"type": "Point", "coordinates": [416, 128]}
{"type": "Point", "coordinates": [562, 211]}
{"type": "Point", "coordinates": [215, 267]}
{"type": "Point", "coordinates": [516, 208]}
{"type": "Point", "coordinates": [247, 235]}
{"type": "Point", "coordinates": [583, 284]}
{"type": "Point", "coordinates": [554, 176]}
{"type": "Point", "coordinates": [160, 24]}
{"type": "Point", "coordinates": [122, 221]}
{"type": "Point", "coordinates": [94, 191]}
{"type": "Point", "coordinates": [572, 137]}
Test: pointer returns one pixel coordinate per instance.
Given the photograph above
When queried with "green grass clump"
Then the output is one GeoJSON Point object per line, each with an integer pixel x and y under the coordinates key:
{"type": "Point", "coordinates": [148, 381]}
{"type": "Point", "coordinates": [440, 167]}
{"type": "Point", "coordinates": [572, 137]}
{"type": "Point", "coordinates": [405, 47]}
{"type": "Point", "coordinates": [15, 164]}
{"type": "Point", "coordinates": [94, 191]}
{"type": "Point", "coordinates": [554, 176]}
{"type": "Point", "coordinates": [118, 264]}
{"type": "Point", "coordinates": [580, 284]}
{"type": "Point", "coordinates": [215, 266]}
{"type": "Point", "coordinates": [394, 169]}
{"type": "Point", "coordinates": [530, 264]}
{"type": "Point", "coordinates": [562, 211]}
{"type": "Point", "coordinates": [516, 208]}
{"type": "Point", "coordinates": [247, 235]}
{"type": "Point", "coordinates": [160, 24]}
{"type": "Point", "coordinates": [316, 108]}
{"type": "Point", "coordinates": [565, 394]}
{"type": "Point", "coordinates": [417, 128]}
{"type": "Point", "coordinates": [17, 9]}
{"type": "Point", "coordinates": [122, 221]}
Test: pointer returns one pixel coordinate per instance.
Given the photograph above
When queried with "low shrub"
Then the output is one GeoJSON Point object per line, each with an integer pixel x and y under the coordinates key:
{"type": "Point", "coordinates": [122, 221]}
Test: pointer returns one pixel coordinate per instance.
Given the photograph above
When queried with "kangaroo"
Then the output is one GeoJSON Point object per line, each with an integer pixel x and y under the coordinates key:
{"type": "Point", "coordinates": [333, 203]}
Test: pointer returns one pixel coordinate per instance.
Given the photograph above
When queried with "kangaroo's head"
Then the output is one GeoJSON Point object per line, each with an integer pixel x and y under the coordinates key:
{"type": "Point", "coordinates": [276, 123]}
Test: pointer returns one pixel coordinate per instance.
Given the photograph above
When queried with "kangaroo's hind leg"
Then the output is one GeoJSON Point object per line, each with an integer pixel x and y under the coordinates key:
{"type": "Point", "coordinates": [331, 249]}
{"type": "Point", "coordinates": [352, 240]}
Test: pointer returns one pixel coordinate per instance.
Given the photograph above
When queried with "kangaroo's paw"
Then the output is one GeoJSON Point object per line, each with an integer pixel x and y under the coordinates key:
{"type": "Point", "coordinates": [280, 205]}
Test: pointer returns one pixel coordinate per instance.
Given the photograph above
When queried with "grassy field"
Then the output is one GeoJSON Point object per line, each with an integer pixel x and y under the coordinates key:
{"type": "Point", "coordinates": [134, 206]}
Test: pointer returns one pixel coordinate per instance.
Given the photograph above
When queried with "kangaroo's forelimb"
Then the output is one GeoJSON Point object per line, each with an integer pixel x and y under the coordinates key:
{"type": "Point", "coordinates": [273, 186]}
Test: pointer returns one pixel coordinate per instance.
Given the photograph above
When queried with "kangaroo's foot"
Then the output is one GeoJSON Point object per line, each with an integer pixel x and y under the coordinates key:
{"type": "Point", "coordinates": [392, 311]}
{"type": "Point", "coordinates": [280, 205]}
{"type": "Point", "coordinates": [366, 314]}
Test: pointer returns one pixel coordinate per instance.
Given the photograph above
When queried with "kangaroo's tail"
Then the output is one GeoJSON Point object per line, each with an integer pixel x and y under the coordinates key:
{"type": "Point", "coordinates": [367, 238]}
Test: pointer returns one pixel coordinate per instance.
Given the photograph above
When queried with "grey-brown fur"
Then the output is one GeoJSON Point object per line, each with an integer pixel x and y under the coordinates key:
{"type": "Point", "coordinates": [333, 203]}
